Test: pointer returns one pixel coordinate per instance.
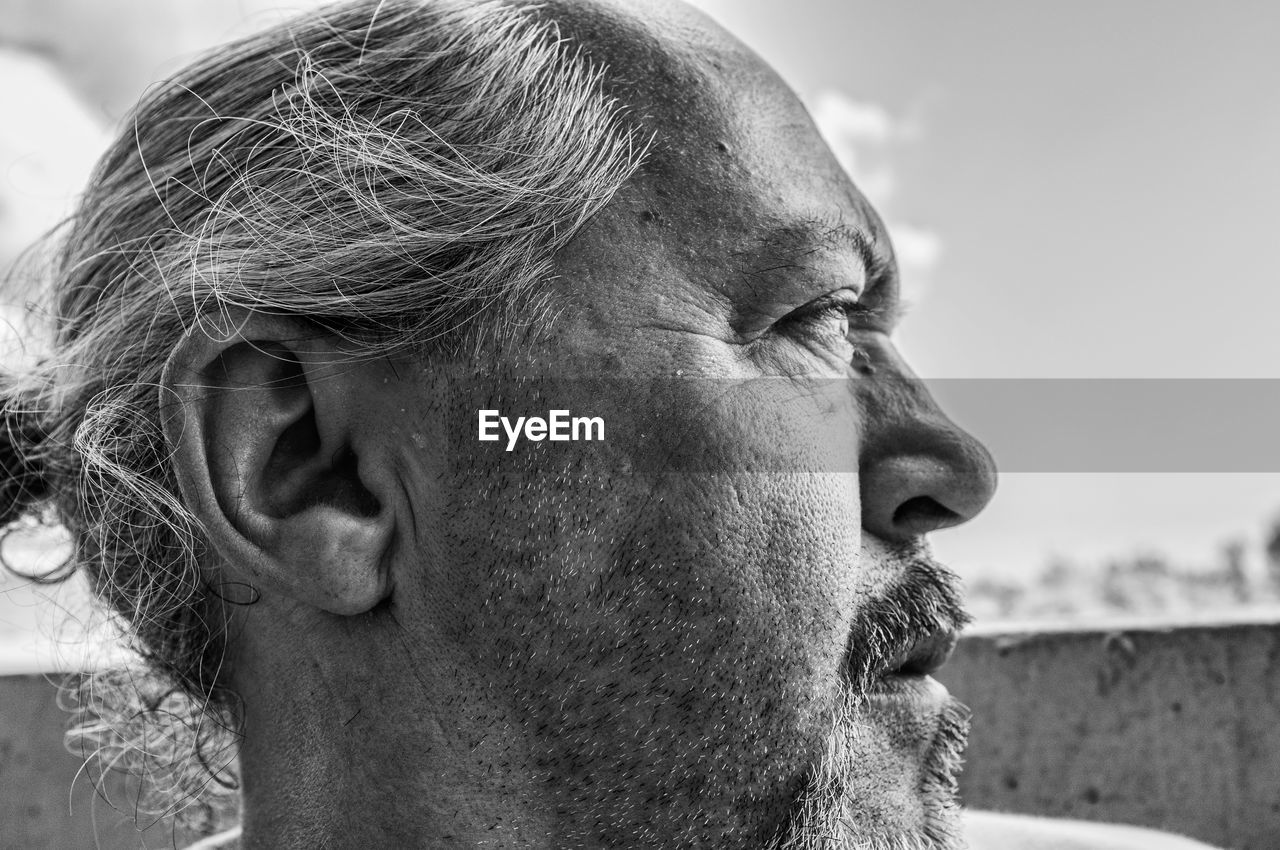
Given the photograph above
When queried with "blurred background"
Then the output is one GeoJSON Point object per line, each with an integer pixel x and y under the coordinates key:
{"type": "Point", "coordinates": [1085, 190]}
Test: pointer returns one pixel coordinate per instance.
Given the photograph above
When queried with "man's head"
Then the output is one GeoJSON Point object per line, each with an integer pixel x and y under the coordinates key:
{"type": "Point", "coordinates": [701, 630]}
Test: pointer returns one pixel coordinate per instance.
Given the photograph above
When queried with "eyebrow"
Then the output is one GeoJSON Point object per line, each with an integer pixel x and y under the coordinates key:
{"type": "Point", "coordinates": [785, 246]}
{"type": "Point", "coordinates": [789, 244]}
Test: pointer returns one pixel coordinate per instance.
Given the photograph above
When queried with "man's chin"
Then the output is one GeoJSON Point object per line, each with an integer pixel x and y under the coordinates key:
{"type": "Point", "coordinates": [888, 778]}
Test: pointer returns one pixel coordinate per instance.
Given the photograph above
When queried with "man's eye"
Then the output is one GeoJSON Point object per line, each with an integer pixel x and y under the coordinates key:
{"type": "Point", "coordinates": [837, 315]}
{"type": "Point", "coordinates": [830, 318]}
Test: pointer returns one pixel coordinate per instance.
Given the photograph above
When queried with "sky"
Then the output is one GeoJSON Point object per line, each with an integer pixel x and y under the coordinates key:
{"type": "Point", "coordinates": [1102, 176]}
{"type": "Point", "coordinates": [1083, 190]}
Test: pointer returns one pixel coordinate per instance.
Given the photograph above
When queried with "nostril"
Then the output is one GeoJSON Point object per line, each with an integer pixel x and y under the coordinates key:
{"type": "Point", "coordinates": [922, 514]}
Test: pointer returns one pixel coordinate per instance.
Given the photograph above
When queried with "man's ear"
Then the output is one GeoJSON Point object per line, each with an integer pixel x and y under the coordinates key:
{"type": "Point", "coordinates": [269, 428]}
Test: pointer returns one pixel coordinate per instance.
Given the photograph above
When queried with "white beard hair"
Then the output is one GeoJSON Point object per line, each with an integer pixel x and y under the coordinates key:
{"type": "Point", "coordinates": [829, 815]}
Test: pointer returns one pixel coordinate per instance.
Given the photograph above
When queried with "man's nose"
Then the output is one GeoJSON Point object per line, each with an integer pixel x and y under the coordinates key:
{"type": "Point", "coordinates": [918, 470]}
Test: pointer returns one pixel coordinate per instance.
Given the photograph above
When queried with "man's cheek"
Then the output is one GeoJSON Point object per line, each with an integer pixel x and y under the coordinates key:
{"type": "Point", "coordinates": [701, 425]}
{"type": "Point", "coordinates": [771, 561]}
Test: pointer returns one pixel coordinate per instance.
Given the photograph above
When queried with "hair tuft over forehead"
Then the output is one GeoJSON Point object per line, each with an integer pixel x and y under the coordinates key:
{"type": "Point", "coordinates": [386, 169]}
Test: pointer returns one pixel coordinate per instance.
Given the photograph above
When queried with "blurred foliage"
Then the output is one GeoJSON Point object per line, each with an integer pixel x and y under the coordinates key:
{"type": "Point", "coordinates": [1141, 584]}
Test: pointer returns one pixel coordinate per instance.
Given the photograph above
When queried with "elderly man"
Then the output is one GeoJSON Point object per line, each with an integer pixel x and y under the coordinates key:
{"type": "Point", "coordinates": [487, 413]}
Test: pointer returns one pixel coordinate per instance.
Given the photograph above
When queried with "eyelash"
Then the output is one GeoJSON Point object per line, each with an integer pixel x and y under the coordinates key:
{"type": "Point", "coordinates": [851, 311]}
{"type": "Point", "coordinates": [844, 312]}
{"type": "Point", "coordinates": [861, 312]}
{"type": "Point", "coordinates": [868, 311]}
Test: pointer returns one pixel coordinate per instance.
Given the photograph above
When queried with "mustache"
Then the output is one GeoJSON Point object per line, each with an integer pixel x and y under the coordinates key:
{"type": "Point", "coordinates": [924, 600]}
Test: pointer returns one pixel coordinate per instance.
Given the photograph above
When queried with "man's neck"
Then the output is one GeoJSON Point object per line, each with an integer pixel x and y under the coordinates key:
{"type": "Point", "coordinates": [349, 753]}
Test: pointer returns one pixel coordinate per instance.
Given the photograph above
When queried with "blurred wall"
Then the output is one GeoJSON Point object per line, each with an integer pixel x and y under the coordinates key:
{"type": "Point", "coordinates": [1173, 728]}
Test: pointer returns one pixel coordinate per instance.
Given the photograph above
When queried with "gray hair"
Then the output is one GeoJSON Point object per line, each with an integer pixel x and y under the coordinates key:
{"type": "Point", "coordinates": [397, 173]}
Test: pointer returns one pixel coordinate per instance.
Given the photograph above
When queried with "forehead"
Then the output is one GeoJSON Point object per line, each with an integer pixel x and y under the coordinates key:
{"type": "Point", "coordinates": [737, 174]}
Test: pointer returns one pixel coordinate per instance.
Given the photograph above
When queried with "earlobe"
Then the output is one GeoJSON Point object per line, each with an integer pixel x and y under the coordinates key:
{"type": "Point", "coordinates": [273, 458]}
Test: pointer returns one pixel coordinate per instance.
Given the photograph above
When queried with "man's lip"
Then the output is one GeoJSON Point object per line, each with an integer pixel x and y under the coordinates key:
{"type": "Point", "coordinates": [918, 693]}
{"type": "Point", "coordinates": [926, 655]}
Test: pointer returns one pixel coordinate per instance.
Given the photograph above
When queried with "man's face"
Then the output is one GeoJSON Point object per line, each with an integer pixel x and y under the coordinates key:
{"type": "Point", "coordinates": [682, 633]}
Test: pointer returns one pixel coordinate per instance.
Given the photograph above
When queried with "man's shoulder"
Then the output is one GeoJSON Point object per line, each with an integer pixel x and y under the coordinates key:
{"type": "Point", "coordinates": [995, 831]}
{"type": "Point", "coordinates": [984, 830]}
{"type": "Point", "coordinates": [229, 840]}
